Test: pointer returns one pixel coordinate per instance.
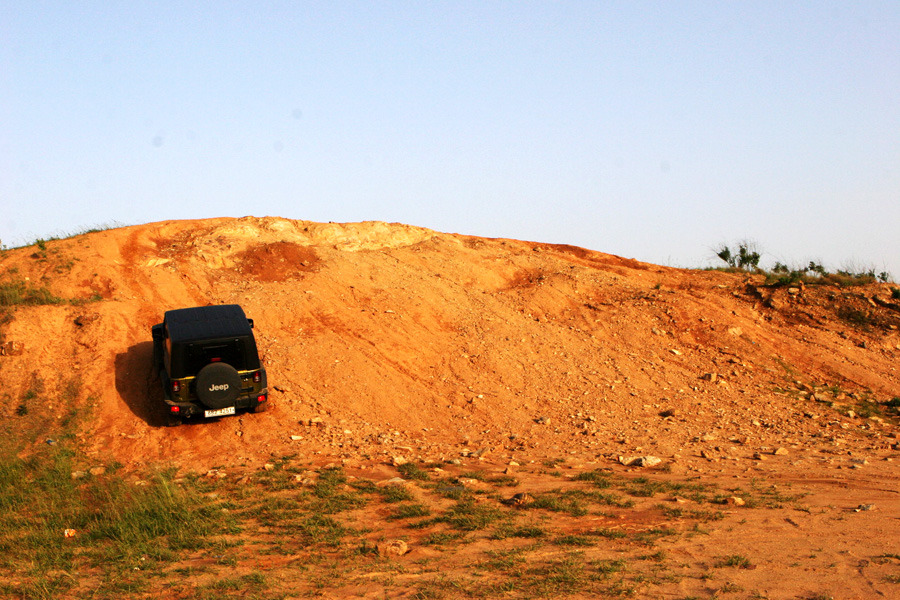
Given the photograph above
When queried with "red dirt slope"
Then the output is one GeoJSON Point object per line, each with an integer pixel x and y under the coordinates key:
{"type": "Point", "coordinates": [394, 333]}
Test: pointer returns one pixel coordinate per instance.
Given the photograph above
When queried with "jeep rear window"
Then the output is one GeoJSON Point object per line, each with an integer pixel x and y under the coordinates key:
{"type": "Point", "coordinates": [200, 355]}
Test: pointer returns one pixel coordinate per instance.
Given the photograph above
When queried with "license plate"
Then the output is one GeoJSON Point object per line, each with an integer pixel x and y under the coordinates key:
{"type": "Point", "coordinates": [228, 410]}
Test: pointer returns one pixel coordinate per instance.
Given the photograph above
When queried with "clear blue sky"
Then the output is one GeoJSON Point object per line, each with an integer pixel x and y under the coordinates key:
{"type": "Point", "coordinates": [652, 130]}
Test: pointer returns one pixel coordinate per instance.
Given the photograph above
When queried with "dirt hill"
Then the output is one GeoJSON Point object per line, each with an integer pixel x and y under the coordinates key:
{"type": "Point", "coordinates": [386, 340]}
{"type": "Point", "coordinates": [446, 340]}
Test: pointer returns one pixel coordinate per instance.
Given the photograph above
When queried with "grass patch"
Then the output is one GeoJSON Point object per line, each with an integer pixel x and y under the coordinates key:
{"type": "Point", "coordinates": [394, 493]}
{"type": "Point", "coordinates": [468, 515]}
{"type": "Point", "coordinates": [21, 293]}
{"type": "Point", "coordinates": [574, 540]}
{"type": "Point", "coordinates": [410, 511]}
{"type": "Point", "coordinates": [557, 501]}
{"type": "Point", "coordinates": [453, 491]}
{"type": "Point", "coordinates": [610, 534]}
{"type": "Point", "coordinates": [734, 560]}
{"type": "Point", "coordinates": [599, 478]}
{"type": "Point", "coordinates": [650, 536]}
{"type": "Point", "coordinates": [413, 471]}
{"type": "Point", "coordinates": [57, 524]}
{"type": "Point", "coordinates": [319, 529]}
{"type": "Point", "coordinates": [331, 494]}
{"type": "Point", "coordinates": [441, 538]}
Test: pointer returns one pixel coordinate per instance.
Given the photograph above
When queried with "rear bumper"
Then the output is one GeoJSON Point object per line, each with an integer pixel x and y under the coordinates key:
{"type": "Point", "coordinates": [195, 409]}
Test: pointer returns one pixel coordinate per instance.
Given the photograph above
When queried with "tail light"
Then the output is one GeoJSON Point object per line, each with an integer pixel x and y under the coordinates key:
{"type": "Point", "coordinates": [257, 377]}
{"type": "Point", "coordinates": [262, 398]}
{"type": "Point", "coordinates": [175, 409]}
{"type": "Point", "coordinates": [176, 386]}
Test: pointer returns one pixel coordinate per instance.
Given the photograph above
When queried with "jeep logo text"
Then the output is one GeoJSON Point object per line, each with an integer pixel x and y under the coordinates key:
{"type": "Point", "coordinates": [218, 388]}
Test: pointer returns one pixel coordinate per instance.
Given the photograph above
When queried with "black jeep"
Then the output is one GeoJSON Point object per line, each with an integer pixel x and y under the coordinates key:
{"type": "Point", "coordinates": [208, 362]}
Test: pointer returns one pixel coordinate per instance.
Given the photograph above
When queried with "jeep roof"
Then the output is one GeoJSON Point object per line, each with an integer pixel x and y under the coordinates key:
{"type": "Point", "coordinates": [206, 323]}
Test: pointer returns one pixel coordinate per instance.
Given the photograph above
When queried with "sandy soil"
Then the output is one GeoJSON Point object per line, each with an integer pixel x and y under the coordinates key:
{"type": "Point", "coordinates": [386, 340]}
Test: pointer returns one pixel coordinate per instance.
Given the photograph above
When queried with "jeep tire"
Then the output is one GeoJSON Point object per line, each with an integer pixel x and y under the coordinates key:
{"type": "Point", "coordinates": [218, 385]}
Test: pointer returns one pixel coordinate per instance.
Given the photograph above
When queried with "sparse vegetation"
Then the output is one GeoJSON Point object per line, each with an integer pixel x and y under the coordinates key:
{"type": "Point", "coordinates": [746, 257]}
{"type": "Point", "coordinates": [395, 493]}
{"type": "Point", "coordinates": [734, 560]}
{"type": "Point", "coordinates": [59, 525]}
{"type": "Point", "coordinates": [413, 471]}
{"type": "Point", "coordinates": [409, 511]}
{"type": "Point", "coordinates": [815, 274]}
{"type": "Point", "coordinates": [139, 535]}
{"type": "Point", "coordinates": [21, 293]}
{"type": "Point", "coordinates": [41, 242]}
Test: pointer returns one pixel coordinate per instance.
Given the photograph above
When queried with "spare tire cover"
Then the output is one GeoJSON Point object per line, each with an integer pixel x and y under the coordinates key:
{"type": "Point", "coordinates": [218, 385]}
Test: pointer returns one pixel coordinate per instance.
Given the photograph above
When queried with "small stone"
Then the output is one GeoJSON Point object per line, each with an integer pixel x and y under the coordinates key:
{"type": "Point", "coordinates": [296, 438]}
{"type": "Point", "coordinates": [78, 474]}
{"type": "Point", "coordinates": [519, 500]}
{"type": "Point", "coordinates": [542, 420]}
{"type": "Point", "coordinates": [97, 471]}
{"type": "Point", "coordinates": [670, 412]}
{"type": "Point", "coordinates": [393, 548]}
{"type": "Point", "coordinates": [391, 481]}
{"type": "Point", "coordinates": [735, 501]}
{"type": "Point", "coordinates": [640, 461]}
{"type": "Point", "coordinates": [86, 319]}
{"type": "Point", "coordinates": [269, 467]}
{"type": "Point", "coordinates": [469, 483]}
{"type": "Point", "coordinates": [675, 352]}
{"type": "Point", "coordinates": [780, 452]}
{"type": "Point", "coordinates": [398, 461]}
{"type": "Point", "coordinates": [12, 348]}
{"type": "Point", "coordinates": [513, 463]}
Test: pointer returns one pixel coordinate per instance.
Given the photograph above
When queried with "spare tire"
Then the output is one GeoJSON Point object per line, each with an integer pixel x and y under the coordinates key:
{"type": "Point", "coordinates": [218, 385]}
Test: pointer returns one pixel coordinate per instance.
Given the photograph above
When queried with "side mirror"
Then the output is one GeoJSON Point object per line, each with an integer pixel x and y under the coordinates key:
{"type": "Point", "coordinates": [251, 323]}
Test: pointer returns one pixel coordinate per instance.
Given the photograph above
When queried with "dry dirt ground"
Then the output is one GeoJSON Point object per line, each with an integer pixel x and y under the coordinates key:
{"type": "Point", "coordinates": [502, 359]}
